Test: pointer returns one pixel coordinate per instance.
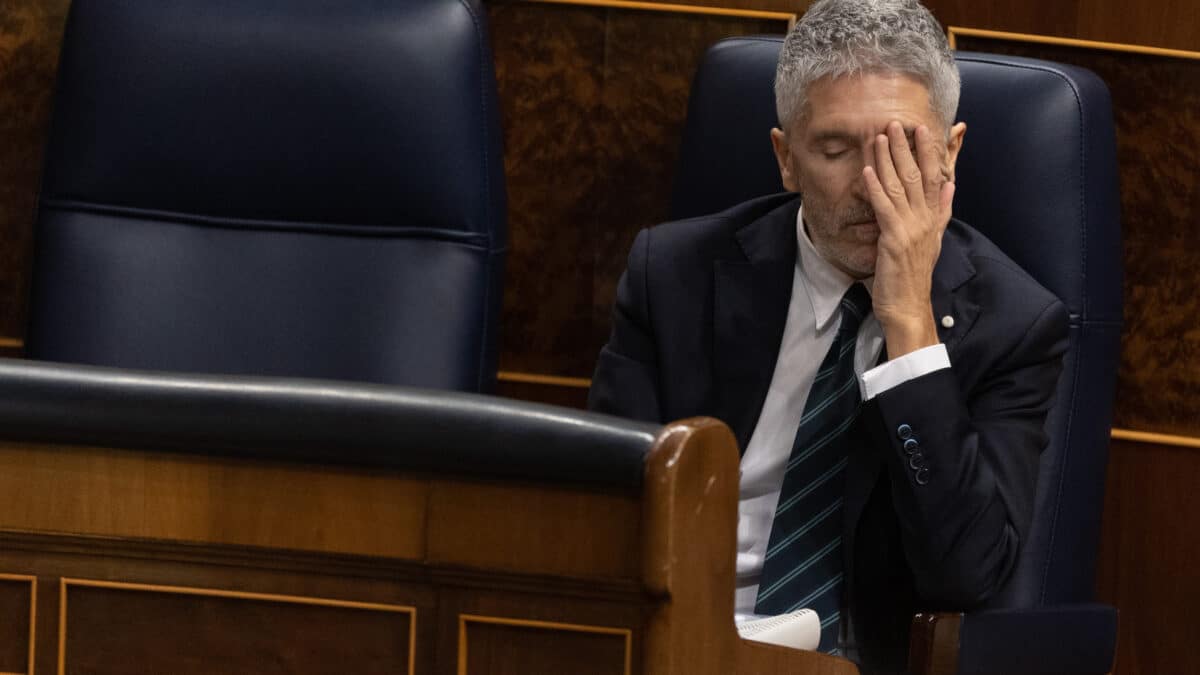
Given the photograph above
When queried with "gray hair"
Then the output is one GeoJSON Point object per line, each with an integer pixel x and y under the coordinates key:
{"type": "Point", "coordinates": [836, 38]}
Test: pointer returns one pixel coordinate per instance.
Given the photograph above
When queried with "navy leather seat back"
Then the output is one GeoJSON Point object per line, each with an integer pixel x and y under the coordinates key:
{"type": "Point", "coordinates": [1037, 175]}
{"type": "Point", "coordinates": [302, 188]}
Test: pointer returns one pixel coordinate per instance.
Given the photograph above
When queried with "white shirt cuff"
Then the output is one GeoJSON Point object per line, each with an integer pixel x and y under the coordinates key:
{"type": "Point", "coordinates": [902, 369]}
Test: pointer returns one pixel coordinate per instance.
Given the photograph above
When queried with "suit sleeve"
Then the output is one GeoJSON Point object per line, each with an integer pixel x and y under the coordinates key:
{"type": "Point", "coordinates": [963, 465]}
{"type": "Point", "coordinates": [626, 379]}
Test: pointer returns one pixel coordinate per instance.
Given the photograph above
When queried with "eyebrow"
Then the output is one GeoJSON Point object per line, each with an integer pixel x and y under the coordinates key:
{"type": "Point", "coordinates": [828, 136]}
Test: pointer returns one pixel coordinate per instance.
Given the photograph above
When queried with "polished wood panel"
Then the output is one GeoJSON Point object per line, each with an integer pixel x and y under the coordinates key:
{"type": "Point", "coordinates": [570, 397]}
{"type": "Point", "coordinates": [465, 529]}
{"type": "Point", "coordinates": [194, 498]}
{"type": "Point", "coordinates": [591, 135]}
{"type": "Point", "coordinates": [1157, 23]}
{"type": "Point", "coordinates": [17, 619]}
{"type": "Point", "coordinates": [161, 593]}
{"type": "Point", "coordinates": [132, 628]}
{"type": "Point", "coordinates": [1148, 554]}
{"type": "Point", "coordinates": [30, 35]}
{"type": "Point", "coordinates": [501, 646]}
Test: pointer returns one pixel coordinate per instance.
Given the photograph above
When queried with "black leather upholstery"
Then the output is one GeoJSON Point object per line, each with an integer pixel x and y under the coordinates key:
{"type": "Point", "coordinates": [320, 421]}
{"type": "Point", "coordinates": [1061, 640]}
{"type": "Point", "coordinates": [1037, 175]}
{"type": "Point", "coordinates": [304, 188]}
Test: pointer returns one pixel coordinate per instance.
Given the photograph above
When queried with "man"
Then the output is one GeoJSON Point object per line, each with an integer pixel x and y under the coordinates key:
{"type": "Point", "coordinates": [886, 370]}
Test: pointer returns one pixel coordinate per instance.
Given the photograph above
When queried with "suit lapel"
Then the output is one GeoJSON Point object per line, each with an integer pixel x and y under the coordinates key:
{"type": "Point", "coordinates": [751, 299]}
{"type": "Point", "coordinates": [953, 269]}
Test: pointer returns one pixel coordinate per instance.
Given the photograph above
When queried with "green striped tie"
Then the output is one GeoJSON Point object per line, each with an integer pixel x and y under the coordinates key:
{"type": "Point", "coordinates": [803, 566]}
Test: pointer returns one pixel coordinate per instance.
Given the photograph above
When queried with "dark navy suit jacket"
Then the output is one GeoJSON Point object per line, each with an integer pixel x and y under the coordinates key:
{"type": "Point", "coordinates": [699, 318]}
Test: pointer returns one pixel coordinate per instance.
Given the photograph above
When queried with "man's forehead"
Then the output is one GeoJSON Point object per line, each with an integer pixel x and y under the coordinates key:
{"type": "Point", "coordinates": [865, 103]}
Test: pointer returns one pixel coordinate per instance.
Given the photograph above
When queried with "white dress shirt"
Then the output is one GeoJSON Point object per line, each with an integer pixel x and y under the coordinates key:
{"type": "Point", "coordinates": [812, 320]}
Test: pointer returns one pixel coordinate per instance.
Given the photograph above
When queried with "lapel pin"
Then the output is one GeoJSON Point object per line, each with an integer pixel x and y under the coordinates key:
{"type": "Point", "coordinates": [948, 321]}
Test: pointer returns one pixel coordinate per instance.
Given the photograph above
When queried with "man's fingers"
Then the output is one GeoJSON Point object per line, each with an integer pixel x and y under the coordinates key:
{"type": "Point", "coordinates": [885, 172]}
{"type": "Point", "coordinates": [881, 201]}
{"type": "Point", "coordinates": [906, 167]}
{"type": "Point", "coordinates": [930, 160]}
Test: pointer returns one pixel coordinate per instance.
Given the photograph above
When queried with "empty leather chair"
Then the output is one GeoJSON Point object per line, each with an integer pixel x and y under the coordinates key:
{"type": "Point", "coordinates": [302, 188]}
{"type": "Point", "coordinates": [1038, 176]}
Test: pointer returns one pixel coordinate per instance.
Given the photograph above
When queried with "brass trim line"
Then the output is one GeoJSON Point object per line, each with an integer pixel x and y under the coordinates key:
{"type": "Point", "coordinates": [11, 343]}
{"type": "Point", "coordinates": [32, 615]}
{"type": "Point", "coordinates": [463, 619]}
{"type": "Point", "coordinates": [538, 378]}
{"type": "Point", "coordinates": [1157, 439]}
{"type": "Point", "coordinates": [789, 17]}
{"type": "Point", "coordinates": [234, 595]}
{"type": "Point", "coordinates": [955, 31]}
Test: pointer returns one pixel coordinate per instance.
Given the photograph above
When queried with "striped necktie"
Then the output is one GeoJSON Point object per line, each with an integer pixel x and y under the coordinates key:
{"type": "Point", "coordinates": [803, 566]}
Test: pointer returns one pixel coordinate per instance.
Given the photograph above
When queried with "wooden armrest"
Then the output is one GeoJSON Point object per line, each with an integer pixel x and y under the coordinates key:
{"type": "Point", "coordinates": [759, 658]}
{"type": "Point", "coordinates": [933, 644]}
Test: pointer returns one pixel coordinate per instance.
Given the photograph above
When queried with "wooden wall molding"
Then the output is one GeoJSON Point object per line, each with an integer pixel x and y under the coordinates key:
{"type": "Point", "coordinates": [65, 584]}
{"type": "Point", "coordinates": [305, 562]}
{"type": "Point", "coordinates": [789, 17]}
{"type": "Point", "coordinates": [464, 619]}
{"type": "Point", "coordinates": [1156, 439]}
{"type": "Point", "coordinates": [543, 379]}
{"type": "Point", "coordinates": [32, 581]}
{"type": "Point", "coordinates": [953, 32]}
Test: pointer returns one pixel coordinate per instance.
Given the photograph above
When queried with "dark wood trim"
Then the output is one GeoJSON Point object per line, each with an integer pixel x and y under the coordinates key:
{"type": "Point", "coordinates": [933, 644]}
{"type": "Point", "coordinates": [954, 31]}
{"type": "Point", "coordinates": [333, 564]}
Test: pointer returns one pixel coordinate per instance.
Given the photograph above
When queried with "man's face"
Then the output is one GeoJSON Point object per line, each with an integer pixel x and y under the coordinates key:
{"type": "Point", "coordinates": [823, 154]}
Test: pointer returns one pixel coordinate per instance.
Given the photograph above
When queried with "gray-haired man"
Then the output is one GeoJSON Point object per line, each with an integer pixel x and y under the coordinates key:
{"type": "Point", "coordinates": [886, 370]}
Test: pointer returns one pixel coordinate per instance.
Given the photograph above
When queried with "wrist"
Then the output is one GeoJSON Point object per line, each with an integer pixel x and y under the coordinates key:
{"type": "Point", "coordinates": [908, 334]}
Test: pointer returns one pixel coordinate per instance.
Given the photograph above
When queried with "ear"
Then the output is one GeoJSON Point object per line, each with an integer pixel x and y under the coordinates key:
{"type": "Point", "coordinates": [953, 145]}
{"type": "Point", "coordinates": [783, 155]}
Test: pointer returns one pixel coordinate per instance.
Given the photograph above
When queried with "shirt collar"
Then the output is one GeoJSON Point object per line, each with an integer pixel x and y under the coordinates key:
{"type": "Point", "coordinates": [824, 283]}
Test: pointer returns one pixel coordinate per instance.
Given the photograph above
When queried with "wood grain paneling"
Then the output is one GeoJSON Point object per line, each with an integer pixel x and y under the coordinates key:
{"type": "Point", "coordinates": [1157, 23]}
{"type": "Point", "coordinates": [433, 590]}
{"type": "Point", "coordinates": [504, 646]}
{"type": "Point", "coordinates": [464, 530]}
{"type": "Point", "coordinates": [1148, 554]}
{"type": "Point", "coordinates": [593, 102]}
{"type": "Point", "coordinates": [30, 35]}
{"type": "Point", "coordinates": [17, 614]}
{"type": "Point", "coordinates": [168, 496]}
{"type": "Point", "coordinates": [130, 629]}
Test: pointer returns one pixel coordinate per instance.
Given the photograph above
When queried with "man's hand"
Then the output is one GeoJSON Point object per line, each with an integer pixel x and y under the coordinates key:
{"type": "Point", "coordinates": [912, 198]}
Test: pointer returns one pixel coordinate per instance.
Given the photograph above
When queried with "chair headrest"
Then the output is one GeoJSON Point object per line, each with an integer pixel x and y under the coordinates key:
{"type": "Point", "coordinates": [348, 113]}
